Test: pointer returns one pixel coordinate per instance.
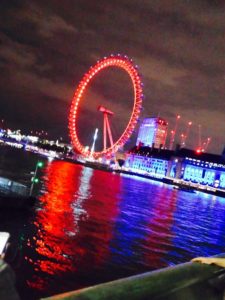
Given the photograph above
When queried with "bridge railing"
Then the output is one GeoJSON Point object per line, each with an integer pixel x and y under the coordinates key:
{"type": "Point", "coordinates": [189, 281]}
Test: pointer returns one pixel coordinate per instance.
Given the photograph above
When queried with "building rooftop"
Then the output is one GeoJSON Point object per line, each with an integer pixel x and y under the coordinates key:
{"type": "Point", "coordinates": [182, 152]}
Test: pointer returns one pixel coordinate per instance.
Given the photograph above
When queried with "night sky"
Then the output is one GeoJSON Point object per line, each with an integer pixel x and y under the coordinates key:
{"type": "Point", "coordinates": [179, 46]}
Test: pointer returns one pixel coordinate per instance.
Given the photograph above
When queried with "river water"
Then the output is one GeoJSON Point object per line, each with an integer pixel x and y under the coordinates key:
{"type": "Point", "coordinates": [90, 226]}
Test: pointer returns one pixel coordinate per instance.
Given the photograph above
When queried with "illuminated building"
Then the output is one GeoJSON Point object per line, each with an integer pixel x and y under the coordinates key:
{"type": "Point", "coordinates": [151, 161]}
{"type": "Point", "coordinates": [152, 132]}
{"type": "Point", "coordinates": [205, 169]}
{"type": "Point", "coordinates": [199, 168]}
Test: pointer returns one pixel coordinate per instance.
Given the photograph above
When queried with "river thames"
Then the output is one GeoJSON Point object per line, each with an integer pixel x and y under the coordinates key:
{"type": "Point", "coordinates": [91, 226]}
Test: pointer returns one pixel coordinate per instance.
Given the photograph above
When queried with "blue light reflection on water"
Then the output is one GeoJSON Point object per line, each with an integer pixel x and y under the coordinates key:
{"type": "Point", "coordinates": [172, 228]}
{"type": "Point", "coordinates": [131, 225]}
{"type": "Point", "coordinates": [198, 227]}
{"type": "Point", "coordinates": [142, 233]}
{"type": "Point", "coordinates": [105, 226]}
{"type": "Point", "coordinates": [129, 230]}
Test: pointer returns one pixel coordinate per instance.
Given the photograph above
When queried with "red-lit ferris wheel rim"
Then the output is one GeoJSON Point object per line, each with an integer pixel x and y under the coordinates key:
{"type": "Point", "coordinates": [112, 61]}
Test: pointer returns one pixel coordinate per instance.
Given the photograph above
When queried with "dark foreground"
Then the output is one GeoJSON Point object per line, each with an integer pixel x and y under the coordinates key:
{"type": "Point", "coordinates": [185, 281]}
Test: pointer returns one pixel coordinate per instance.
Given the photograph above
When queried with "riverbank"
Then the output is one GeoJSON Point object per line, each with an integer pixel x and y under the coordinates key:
{"type": "Point", "coordinates": [168, 180]}
{"type": "Point", "coordinates": [162, 178]}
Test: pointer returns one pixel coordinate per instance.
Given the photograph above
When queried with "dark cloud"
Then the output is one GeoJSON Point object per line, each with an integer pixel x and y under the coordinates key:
{"type": "Point", "coordinates": [47, 46]}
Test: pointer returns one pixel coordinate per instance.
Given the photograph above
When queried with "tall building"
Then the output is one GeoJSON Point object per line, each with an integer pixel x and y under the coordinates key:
{"type": "Point", "coordinates": [152, 131]}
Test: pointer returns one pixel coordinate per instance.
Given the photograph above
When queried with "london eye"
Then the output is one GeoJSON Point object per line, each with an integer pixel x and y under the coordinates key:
{"type": "Point", "coordinates": [126, 64]}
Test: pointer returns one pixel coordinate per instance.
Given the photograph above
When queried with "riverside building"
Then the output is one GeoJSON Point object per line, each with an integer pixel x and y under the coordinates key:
{"type": "Point", "coordinates": [152, 132]}
{"type": "Point", "coordinates": [204, 170]}
{"type": "Point", "coordinates": [183, 164]}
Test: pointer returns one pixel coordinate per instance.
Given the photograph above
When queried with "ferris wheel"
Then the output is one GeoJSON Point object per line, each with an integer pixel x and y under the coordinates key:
{"type": "Point", "coordinates": [127, 65]}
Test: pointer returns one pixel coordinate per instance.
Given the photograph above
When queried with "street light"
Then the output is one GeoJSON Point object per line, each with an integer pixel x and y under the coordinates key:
{"type": "Point", "coordinates": [40, 164]}
{"type": "Point", "coordinates": [34, 179]}
{"type": "Point", "coordinates": [94, 140]}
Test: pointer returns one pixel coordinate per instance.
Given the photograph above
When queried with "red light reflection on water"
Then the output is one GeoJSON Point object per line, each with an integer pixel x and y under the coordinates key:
{"type": "Point", "coordinates": [102, 211]}
{"type": "Point", "coordinates": [55, 222]}
{"type": "Point", "coordinates": [75, 225]}
{"type": "Point", "coordinates": [159, 241]}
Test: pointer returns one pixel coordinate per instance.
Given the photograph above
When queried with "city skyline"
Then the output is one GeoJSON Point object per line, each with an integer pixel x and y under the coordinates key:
{"type": "Point", "coordinates": [47, 47]}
